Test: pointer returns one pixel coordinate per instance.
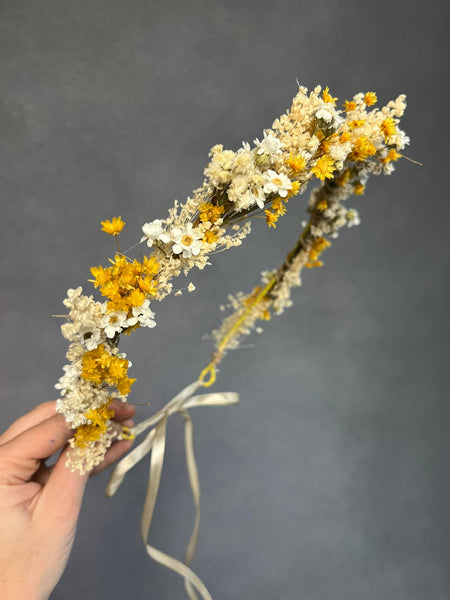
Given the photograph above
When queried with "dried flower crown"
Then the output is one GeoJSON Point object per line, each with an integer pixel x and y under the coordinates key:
{"type": "Point", "coordinates": [312, 140]}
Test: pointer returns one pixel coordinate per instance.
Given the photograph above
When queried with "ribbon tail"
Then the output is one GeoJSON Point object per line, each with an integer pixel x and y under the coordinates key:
{"type": "Point", "coordinates": [127, 463]}
{"type": "Point", "coordinates": [195, 488]}
{"type": "Point", "coordinates": [181, 569]}
{"type": "Point", "coordinates": [156, 464]}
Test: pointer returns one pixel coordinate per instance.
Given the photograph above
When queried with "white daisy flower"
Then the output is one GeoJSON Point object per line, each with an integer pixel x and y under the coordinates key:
{"type": "Point", "coordinates": [269, 145]}
{"type": "Point", "coordinates": [276, 182]}
{"type": "Point", "coordinates": [186, 241]}
{"type": "Point", "coordinates": [324, 115]}
{"type": "Point", "coordinates": [154, 231]}
{"type": "Point", "coordinates": [142, 314]}
{"type": "Point", "coordinates": [114, 322]}
{"type": "Point", "coordinates": [92, 339]}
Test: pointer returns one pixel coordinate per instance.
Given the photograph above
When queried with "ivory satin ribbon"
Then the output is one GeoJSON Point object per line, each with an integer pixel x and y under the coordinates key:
{"type": "Point", "coordinates": [155, 441]}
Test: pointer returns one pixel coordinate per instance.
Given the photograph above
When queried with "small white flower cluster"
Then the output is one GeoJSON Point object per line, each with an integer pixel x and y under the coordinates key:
{"type": "Point", "coordinates": [90, 323]}
{"type": "Point", "coordinates": [186, 240]}
{"type": "Point", "coordinates": [85, 316]}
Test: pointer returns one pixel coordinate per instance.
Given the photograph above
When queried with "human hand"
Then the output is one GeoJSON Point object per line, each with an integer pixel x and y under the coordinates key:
{"type": "Point", "coordinates": [39, 505]}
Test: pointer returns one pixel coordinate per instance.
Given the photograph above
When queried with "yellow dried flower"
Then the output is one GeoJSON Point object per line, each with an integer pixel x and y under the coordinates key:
{"type": "Point", "coordinates": [271, 218]}
{"type": "Point", "coordinates": [327, 96]}
{"type": "Point", "coordinates": [99, 366]}
{"type": "Point", "coordinates": [90, 432]}
{"type": "Point", "coordinates": [126, 284]}
{"type": "Point", "coordinates": [313, 263]}
{"type": "Point", "coordinates": [317, 247]}
{"type": "Point", "coordinates": [113, 227]}
{"type": "Point", "coordinates": [294, 190]}
{"type": "Point", "coordinates": [359, 189]}
{"type": "Point", "coordinates": [296, 163]}
{"type": "Point", "coordinates": [349, 105]}
{"type": "Point", "coordinates": [370, 98]}
{"type": "Point", "coordinates": [98, 416]}
{"type": "Point", "coordinates": [278, 207]}
{"type": "Point", "coordinates": [392, 155]}
{"type": "Point", "coordinates": [362, 149]}
{"type": "Point", "coordinates": [388, 127]}
{"type": "Point", "coordinates": [324, 168]}
{"type": "Point", "coordinates": [210, 237]}
{"type": "Point", "coordinates": [356, 123]}
{"type": "Point", "coordinates": [209, 212]}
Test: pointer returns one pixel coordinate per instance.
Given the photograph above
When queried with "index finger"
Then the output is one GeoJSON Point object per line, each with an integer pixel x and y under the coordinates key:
{"type": "Point", "coordinates": [21, 456]}
{"type": "Point", "coordinates": [33, 417]}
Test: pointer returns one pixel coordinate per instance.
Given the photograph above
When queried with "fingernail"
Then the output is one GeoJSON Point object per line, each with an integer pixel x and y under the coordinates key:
{"type": "Point", "coordinates": [128, 423]}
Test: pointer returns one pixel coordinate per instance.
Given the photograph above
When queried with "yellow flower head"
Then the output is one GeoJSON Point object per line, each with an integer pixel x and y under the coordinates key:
{"type": "Point", "coordinates": [345, 137]}
{"type": "Point", "coordinates": [355, 123]}
{"type": "Point", "coordinates": [271, 218]}
{"type": "Point", "coordinates": [90, 432]}
{"type": "Point", "coordinates": [370, 98]}
{"type": "Point", "coordinates": [324, 168]}
{"type": "Point", "coordinates": [388, 127]}
{"type": "Point", "coordinates": [362, 148]}
{"type": "Point", "coordinates": [278, 207]}
{"type": "Point", "coordinates": [113, 227]}
{"type": "Point", "coordinates": [311, 264]}
{"type": "Point", "coordinates": [101, 367]}
{"type": "Point", "coordinates": [209, 212]}
{"type": "Point", "coordinates": [327, 97]}
{"type": "Point", "coordinates": [210, 237]}
{"type": "Point", "coordinates": [98, 416]}
{"type": "Point", "coordinates": [296, 163]}
{"type": "Point", "coordinates": [349, 105]}
{"type": "Point", "coordinates": [126, 284]}
{"type": "Point", "coordinates": [294, 190]}
{"type": "Point", "coordinates": [392, 155]}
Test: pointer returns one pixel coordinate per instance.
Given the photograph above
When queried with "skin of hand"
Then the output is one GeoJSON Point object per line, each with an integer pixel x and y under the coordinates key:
{"type": "Point", "coordinates": [40, 504]}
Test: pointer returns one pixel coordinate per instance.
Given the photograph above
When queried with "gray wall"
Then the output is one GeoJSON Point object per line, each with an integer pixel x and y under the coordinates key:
{"type": "Point", "coordinates": [330, 480]}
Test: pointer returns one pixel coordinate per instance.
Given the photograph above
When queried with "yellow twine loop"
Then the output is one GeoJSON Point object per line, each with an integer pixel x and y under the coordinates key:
{"type": "Point", "coordinates": [211, 371]}
{"type": "Point", "coordinates": [127, 434]}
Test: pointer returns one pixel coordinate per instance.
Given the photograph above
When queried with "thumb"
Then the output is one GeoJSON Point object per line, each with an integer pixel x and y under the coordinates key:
{"type": "Point", "coordinates": [63, 493]}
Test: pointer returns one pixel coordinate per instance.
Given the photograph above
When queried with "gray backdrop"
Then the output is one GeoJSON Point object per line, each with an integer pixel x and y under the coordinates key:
{"type": "Point", "coordinates": [330, 480]}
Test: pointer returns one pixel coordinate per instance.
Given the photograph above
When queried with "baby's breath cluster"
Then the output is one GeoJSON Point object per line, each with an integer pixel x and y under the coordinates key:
{"type": "Point", "coordinates": [313, 140]}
